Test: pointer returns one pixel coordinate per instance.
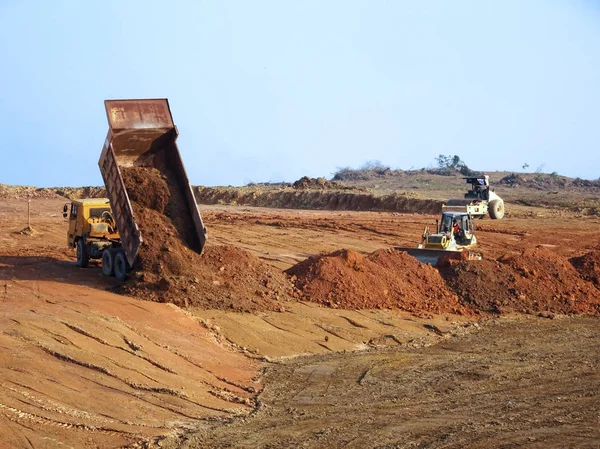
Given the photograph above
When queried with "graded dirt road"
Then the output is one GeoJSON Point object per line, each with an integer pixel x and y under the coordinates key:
{"type": "Point", "coordinates": [83, 367]}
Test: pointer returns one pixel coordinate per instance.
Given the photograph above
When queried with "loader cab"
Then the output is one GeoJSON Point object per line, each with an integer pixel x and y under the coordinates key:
{"type": "Point", "coordinates": [466, 235]}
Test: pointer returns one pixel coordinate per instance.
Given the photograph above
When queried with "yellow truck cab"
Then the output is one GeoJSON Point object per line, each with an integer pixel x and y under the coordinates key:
{"type": "Point", "coordinates": [92, 229]}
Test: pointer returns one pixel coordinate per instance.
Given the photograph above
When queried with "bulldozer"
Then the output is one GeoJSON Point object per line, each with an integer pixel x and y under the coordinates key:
{"type": "Point", "coordinates": [454, 238]}
{"type": "Point", "coordinates": [141, 132]}
{"type": "Point", "coordinates": [480, 200]}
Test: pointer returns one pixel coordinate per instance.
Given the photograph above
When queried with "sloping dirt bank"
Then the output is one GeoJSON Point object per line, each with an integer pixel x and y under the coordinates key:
{"type": "Point", "coordinates": [14, 192]}
{"type": "Point", "coordinates": [315, 199]}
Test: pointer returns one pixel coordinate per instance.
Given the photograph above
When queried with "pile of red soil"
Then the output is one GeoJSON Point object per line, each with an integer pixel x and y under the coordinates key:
{"type": "Point", "coordinates": [485, 285]}
{"type": "Point", "coordinates": [537, 280]}
{"type": "Point", "coordinates": [588, 266]}
{"type": "Point", "coordinates": [384, 279]}
{"type": "Point", "coordinates": [168, 270]}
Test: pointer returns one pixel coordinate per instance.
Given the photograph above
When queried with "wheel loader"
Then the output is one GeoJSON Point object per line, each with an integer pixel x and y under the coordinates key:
{"type": "Point", "coordinates": [454, 238]}
{"type": "Point", "coordinates": [480, 200]}
{"type": "Point", "coordinates": [141, 133]}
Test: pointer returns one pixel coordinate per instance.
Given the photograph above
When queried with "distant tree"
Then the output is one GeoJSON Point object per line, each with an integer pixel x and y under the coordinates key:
{"type": "Point", "coordinates": [450, 164]}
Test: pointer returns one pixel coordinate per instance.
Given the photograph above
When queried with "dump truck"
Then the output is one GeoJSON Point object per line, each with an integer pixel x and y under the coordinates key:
{"type": "Point", "coordinates": [480, 200]}
{"type": "Point", "coordinates": [92, 228]}
{"type": "Point", "coordinates": [454, 238]}
{"type": "Point", "coordinates": [141, 133]}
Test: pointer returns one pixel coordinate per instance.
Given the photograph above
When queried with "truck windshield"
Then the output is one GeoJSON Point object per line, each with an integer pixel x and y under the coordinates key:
{"type": "Point", "coordinates": [96, 212]}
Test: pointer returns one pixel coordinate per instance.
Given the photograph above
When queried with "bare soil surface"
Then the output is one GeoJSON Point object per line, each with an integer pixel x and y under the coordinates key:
{"type": "Point", "coordinates": [83, 367]}
{"type": "Point", "coordinates": [527, 383]}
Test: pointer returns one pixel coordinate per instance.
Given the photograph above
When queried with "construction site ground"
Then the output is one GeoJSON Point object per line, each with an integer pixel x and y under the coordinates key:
{"type": "Point", "coordinates": [83, 367]}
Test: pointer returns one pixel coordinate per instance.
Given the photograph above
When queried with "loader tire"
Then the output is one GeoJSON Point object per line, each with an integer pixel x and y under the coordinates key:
{"type": "Point", "coordinates": [496, 209]}
{"type": "Point", "coordinates": [120, 266]}
{"type": "Point", "coordinates": [108, 263]}
{"type": "Point", "coordinates": [83, 253]}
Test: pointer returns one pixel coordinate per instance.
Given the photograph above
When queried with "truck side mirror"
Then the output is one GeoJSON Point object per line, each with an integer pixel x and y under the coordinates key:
{"type": "Point", "coordinates": [65, 209]}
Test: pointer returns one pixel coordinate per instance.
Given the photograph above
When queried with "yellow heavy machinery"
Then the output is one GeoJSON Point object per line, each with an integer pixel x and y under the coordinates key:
{"type": "Point", "coordinates": [453, 238]}
{"type": "Point", "coordinates": [140, 133]}
{"type": "Point", "coordinates": [92, 229]}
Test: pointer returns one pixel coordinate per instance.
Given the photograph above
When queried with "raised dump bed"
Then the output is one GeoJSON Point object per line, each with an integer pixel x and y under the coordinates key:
{"type": "Point", "coordinates": [142, 134]}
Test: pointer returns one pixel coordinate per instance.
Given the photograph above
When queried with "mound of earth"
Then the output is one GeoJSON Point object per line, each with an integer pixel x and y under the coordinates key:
{"type": "Point", "coordinates": [314, 183]}
{"type": "Point", "coordinates": [537, 280]}
{"type": "Point", "coordinates": [384, 279]}
{"type": "Point", "coordinates": [167, 270]}
{"type": "Point", "coordinates": [485, 285]}
{"type": "Point", "coordinates": [588, 266]}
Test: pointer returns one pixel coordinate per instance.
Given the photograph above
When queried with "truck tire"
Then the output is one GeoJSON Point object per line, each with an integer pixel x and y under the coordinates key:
{"type": "Point", "coordinates": [496, 209]}
{"type": "Point", "coordinates": [83, 253]}
{"type": "Point", "coordinates": [108, 263]}
{"type": "Point", "coordinates": [120, 266]}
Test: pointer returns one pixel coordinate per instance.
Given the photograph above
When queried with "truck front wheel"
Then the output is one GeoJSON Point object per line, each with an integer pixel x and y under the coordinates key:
{"type": "Point", "coordinates": [83, 253]}
{"type": "Point", "coordinates": [120, 266]}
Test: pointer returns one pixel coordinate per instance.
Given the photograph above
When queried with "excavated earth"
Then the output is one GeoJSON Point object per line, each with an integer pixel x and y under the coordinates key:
{"type": "Point", "coordinates": [383, 279]}
{"type": "Point", "coordinates": [536, 281]}
{"type": "Point", "coordinates": [169, 270]}
{"type": "Point", "coordinates": [588, 266]}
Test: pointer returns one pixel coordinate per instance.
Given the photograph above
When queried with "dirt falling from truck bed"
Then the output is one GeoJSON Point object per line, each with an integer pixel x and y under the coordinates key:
{"type": "Point", "coordinates": [384, 279]}
{"type": "Point", "coordinates": [167, 270]}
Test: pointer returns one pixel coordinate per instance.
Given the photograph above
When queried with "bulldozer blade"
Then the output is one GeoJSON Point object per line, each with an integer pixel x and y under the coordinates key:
{"type": "Point", "coordinates": [432, 256]}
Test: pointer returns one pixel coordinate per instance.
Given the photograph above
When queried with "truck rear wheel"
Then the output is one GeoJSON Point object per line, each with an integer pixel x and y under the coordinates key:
{"type": "Point", "coordinates": [120, 266]}
{"type": "Point", "coordinates": [108, 263]}
{"type": "Point", "coordinates": [83, 253]}
{"type": "Point", "coordinates": [496, 209]}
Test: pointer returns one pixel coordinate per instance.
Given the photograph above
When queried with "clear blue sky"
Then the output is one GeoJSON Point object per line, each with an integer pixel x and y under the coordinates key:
{"type": "Point", "coordinates": [274, 90]}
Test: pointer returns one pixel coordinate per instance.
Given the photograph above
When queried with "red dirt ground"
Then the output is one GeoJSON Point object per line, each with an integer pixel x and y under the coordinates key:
{"type": "Point", "coordinates": [384, 279]}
